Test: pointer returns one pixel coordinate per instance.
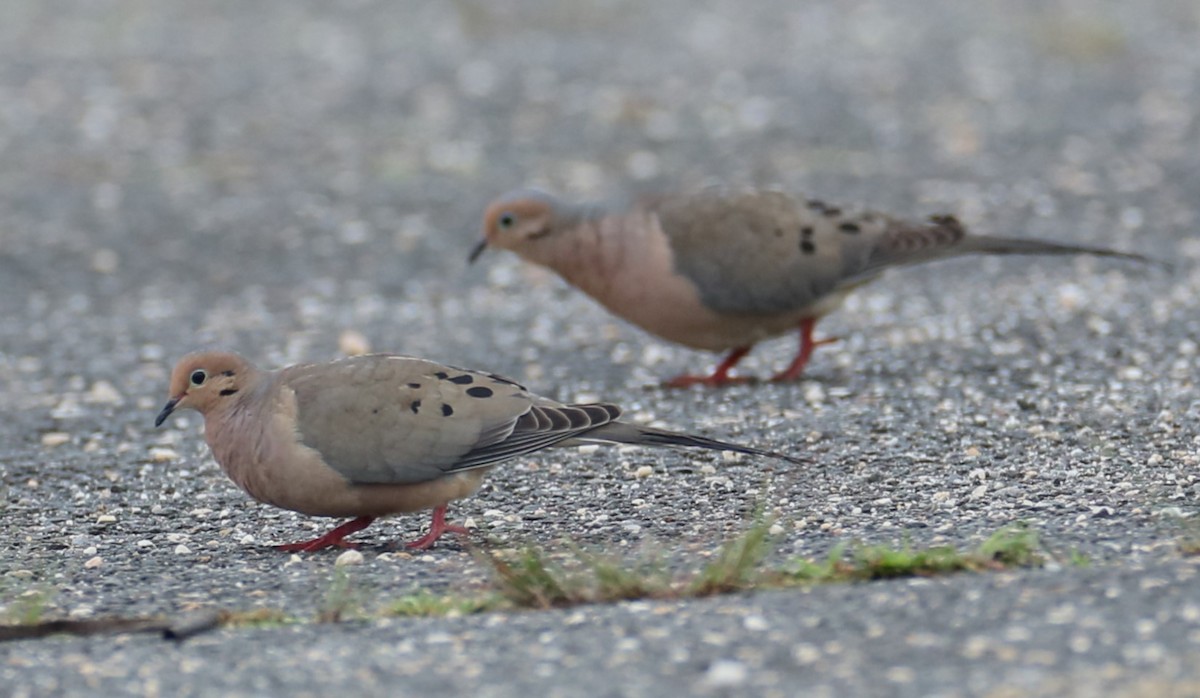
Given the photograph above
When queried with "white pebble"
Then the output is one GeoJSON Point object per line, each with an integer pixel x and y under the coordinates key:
{"type": "Point", "coordinates": [643, 472]}
{"type": "Point", "coordinates": [106, 518]}
{"type": "Point", "coordinates": [55, 438]}
{"type": "Point", "coordinates": [726, 672]}
{"type": "Point", "coordinates": [93, 563]}
{"type": "Point", "coordinates": [104, 393]}
{"type": "Point", "coordinates": [182, 549]}
{"type": "Point", "coordinates": [350, 557]}
{"type": "Point", "coordinates": [353, 343]}
{"type": "Point", "coordinates": [105, 261]}
{"type": "Point", "coordinates": [161, 454]}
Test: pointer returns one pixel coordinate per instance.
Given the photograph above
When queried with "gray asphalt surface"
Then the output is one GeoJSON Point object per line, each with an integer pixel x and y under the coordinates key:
{"type": "Point", "coordinates": [268, 176]}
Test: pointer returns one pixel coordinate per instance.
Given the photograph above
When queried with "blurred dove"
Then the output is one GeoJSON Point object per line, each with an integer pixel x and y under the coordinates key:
{"type": "Point", "coordinates": [724, 269]}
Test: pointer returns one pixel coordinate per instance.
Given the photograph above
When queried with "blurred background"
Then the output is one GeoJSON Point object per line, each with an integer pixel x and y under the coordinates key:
{"type": "Point", "coordinates": [263, 174]}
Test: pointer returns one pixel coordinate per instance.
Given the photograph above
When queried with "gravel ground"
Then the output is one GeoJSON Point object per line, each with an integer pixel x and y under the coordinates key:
{"type": "Point", "coordinates": [287, 179]}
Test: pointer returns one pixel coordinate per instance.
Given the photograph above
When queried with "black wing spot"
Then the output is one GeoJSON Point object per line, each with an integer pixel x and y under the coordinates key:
{"type": "Point", "coordinates": [832, 211]}
{"type": "Point", "coordinates": [480, 391]}
{"type": "Point", "coordinates": [228, 391]}
{"type": "Point", "coordinates": [416, 405]}
{"type": "Point", "coordinates": [849, 227]}
{"type": "Point", "coordinates": [807, 247]}
{"type": "Point", "coordinates": [447, 410]}
{"type": "Point", "coordinates": [806, 231]}
{"type": "Point", "coordinates": [414, 386]}
{"type": "Point", "coordinates": [464, 379]}
{"type": "Point", "coordinates": [441, 375]}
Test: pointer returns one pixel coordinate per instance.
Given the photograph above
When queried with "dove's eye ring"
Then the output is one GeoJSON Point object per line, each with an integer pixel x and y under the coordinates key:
{"type": "Point", "coordinates": [198, 377]}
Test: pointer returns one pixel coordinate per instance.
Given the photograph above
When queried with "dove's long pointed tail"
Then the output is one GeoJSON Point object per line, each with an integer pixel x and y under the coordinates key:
{"type": "Point", "coordinates": [986, 244]}
{"type": "Point", "coordinates": [621, 432]}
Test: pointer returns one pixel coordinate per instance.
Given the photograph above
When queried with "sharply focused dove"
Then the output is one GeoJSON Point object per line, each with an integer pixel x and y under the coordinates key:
{"type": "Point", "coordinates": [382, 434]}
{"type": "Point", "coordinates": [724, 269]}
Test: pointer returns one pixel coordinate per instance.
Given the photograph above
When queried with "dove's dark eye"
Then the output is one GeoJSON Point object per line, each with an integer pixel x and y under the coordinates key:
{"type": "Point", "coordinates": [507, 220]}
{"type": "Point", "coordinates": [198, 376]}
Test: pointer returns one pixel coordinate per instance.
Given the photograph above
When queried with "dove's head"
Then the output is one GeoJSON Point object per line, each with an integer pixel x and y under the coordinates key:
{"type": "Point", "coordinates": [516, 221]}
{"type": "Point", "coordinates": [204, 381]}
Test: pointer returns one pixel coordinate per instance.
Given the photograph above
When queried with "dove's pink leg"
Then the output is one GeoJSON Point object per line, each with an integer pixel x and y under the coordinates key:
{"type": "Point", "coordinates": [436, 529]}
{"type": "Point", "coordinates": [807, 344]}
{"type": "Point", "coordinates": [331, 539]}
{"type": "Point", "coordinates": [719, 377]}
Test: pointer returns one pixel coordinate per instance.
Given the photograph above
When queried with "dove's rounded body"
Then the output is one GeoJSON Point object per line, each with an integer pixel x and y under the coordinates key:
{"type": "Point", "coordinates": [276, 467]}
{"type": "Point", "coordinates": [628, 265]}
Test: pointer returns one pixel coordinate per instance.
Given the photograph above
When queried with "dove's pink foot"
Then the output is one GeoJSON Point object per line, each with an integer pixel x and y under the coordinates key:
{"type": "Point", "coordinates": [807, 344]}
{"type": "Point", "coordinates": [719, 377]}
{"type": "Point", "coordinates": [331, 539]}
{"type": "Point", "coordinates": [436, 529]}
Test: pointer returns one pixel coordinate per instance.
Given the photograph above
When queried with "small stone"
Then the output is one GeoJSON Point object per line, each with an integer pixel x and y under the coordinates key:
{"type": "Point", "coordinates": [726, 673]}
{"type": "Point", "coordinates": [643, 472]}
{"type": "Point", "coordinates": [350, 557]}
{"type": "Point", "coordinates": [182, 549]}
{"type": "Point", "coordinates": [106, 518]}
{"type": "Point", "coordinates": [55, 438]}
{"type": "Point", "coordinates": [93, 563]}
{"type": "Point", "coordinates": [901, 674]}
{"type": "Point", "coordinates": [104, 393]}
{"type": "Point", "coordinates": [162, 454]}
{"type": "Point", "coordinates": [353, 343]}
{"type": "Point", "coordinates": [105, 261]}
{"type": "Point", "coordinates": [775, 529]}
{"type": "Point", "coordinates": [145, 544]}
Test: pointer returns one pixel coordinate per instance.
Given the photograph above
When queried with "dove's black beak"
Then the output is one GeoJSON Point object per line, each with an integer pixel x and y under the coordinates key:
{"type": "Point", "coordinates": [166, 411]}
{"type": "Point", "coordinates": [478, 250]}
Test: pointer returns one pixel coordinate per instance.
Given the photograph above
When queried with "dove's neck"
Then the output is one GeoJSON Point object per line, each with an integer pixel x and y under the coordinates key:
{"type": "Point", "coordinates": [234, 429]}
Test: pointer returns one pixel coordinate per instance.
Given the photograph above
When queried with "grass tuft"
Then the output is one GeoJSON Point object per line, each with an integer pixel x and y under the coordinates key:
{"type": "Point", "coordinates": [737, 564]}
{"type": "Point", "coordinates": [422, 604]}
{"type": "Point", "coordinates": [343, 600]}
